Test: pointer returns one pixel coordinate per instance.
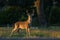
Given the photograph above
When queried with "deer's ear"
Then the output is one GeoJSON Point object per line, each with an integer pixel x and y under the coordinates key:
{"type": "Point", "coordinates": [27, 12]}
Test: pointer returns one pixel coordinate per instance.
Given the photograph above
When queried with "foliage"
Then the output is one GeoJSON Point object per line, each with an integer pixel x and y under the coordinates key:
{"type": "Point", "coordinates": [14, 10]}
{"type": "Point", "coordinates": [55, 15]}
{"type": "Point", "coordinates": [55, 18]}
{"type": "Point", "coordinates": [11, 14]}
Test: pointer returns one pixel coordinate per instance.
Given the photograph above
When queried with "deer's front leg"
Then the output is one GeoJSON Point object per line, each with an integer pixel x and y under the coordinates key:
{"type": "Point", "coordinates": [28, 31]}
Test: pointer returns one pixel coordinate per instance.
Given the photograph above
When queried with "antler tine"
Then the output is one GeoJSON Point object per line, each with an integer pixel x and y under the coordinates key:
{"type": "Point", "coordinates": [27, 12]}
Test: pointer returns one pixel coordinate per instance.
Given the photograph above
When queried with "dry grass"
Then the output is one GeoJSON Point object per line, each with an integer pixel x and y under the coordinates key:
{"type": "Point", "coordinates": [5, 32]}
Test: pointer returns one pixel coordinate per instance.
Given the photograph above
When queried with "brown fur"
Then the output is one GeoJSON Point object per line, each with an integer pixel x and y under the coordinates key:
{"type": "Point", "coordinates": [22, 25]}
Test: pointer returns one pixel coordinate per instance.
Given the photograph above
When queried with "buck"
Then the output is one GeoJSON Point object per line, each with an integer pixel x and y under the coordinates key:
{"type": "Point", "coordinates": [23, 24]}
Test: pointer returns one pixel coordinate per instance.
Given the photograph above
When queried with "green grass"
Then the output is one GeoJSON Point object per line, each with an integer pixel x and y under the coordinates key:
{"type": "Point", "coordinates": [5, 32]}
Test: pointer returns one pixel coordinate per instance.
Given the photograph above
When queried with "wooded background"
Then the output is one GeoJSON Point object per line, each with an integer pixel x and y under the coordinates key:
{"type": "Point", "coordinates": [14, 10]}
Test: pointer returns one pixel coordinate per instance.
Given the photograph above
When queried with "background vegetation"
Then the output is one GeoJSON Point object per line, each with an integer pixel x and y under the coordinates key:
{"type": "Point", "coordinates": [14, 10]}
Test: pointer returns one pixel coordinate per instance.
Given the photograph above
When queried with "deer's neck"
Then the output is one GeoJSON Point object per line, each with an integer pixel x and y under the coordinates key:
{"type": "Point", "coordinates": [29, 19]}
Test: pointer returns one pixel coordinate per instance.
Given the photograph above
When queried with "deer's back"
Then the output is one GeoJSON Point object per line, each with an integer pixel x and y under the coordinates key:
{"type": "Point", "coordinates": [22, 25]}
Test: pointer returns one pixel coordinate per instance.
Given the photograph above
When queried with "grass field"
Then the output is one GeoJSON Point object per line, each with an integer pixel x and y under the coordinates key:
{"type": "Point", "coordinates": [35, 32]}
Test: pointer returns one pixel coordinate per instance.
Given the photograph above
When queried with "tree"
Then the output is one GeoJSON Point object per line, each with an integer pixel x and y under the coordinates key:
{"type": "Point", "coordinates": [39, 4]}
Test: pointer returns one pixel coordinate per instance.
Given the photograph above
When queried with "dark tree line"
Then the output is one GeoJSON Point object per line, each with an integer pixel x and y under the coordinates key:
{"type": "Point", "coordinates": [13, 10]}
{"type": "Point", "coordinates": [52, 8]}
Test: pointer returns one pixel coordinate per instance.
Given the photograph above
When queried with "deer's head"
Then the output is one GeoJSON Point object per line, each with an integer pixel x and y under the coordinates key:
{"type": "Point", "coordinates": [30, 15]}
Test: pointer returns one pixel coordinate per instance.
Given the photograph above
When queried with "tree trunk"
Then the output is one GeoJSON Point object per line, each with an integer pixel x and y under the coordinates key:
{"type": "Point", "coordinates": [39, 4]}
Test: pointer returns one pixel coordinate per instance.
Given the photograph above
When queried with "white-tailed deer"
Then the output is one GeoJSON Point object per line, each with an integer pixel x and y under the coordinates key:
{"type": "Point", "coordinates": [23, 24]}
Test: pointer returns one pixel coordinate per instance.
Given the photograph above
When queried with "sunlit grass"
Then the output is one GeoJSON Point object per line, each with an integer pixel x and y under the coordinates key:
{"type": "Point", "coordinates": [35, 32]}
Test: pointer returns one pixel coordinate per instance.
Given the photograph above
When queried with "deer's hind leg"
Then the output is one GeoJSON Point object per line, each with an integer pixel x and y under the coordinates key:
{"type": "Point", "coordinates": [18, 29]}
{"type": "Point", "coordinates": [14, 30]}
